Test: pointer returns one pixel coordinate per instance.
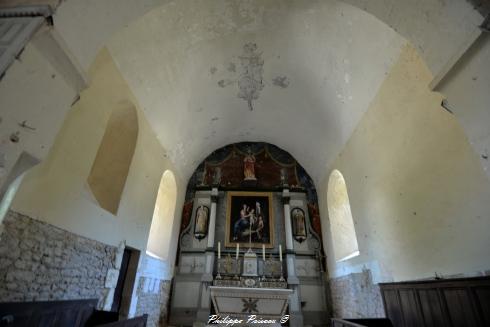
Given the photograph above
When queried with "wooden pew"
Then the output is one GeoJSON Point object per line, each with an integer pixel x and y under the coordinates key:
{"type": "Point", "coordinates": [371, 322]}
{"type": "Point", "coordinates": [438, 303]}
{"type": "Point", "coordinates": [70, 313]}
{"type": "Point", "coordinates": [458, 302]}
{"type": "Point", "coordinates": [133, 322]}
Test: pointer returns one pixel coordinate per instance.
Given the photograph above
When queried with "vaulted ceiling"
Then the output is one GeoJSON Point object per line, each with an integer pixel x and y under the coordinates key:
{"type": "Point", "coordinates": [213, 73]}
{"type": "Point", "coordinates": [298, 74]}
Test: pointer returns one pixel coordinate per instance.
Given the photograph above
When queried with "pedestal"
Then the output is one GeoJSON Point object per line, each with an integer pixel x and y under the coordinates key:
{"type": "Point", "coordinates": [250, 264]}
{"type": "Point", "coordinates": [252, 182]}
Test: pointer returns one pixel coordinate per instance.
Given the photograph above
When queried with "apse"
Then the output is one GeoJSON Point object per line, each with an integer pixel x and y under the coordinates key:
{"type": "Point", "coordinates": [250, 228]}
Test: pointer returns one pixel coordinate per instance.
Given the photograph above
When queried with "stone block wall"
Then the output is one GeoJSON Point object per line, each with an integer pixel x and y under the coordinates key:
{"type": "Point", "coordinates": [40, 262]}
{"type": "Point", "coordinates": [356, 296]}
{"type": "Point", "coordinates": [153, 295]}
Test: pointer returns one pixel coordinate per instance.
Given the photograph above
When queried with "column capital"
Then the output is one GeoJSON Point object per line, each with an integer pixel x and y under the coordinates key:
{"type": "Point", "coordinates": [293, 280]}
{"type": "Point", "coordinates": [286, 196]}
{"type": "Point", "coordinates": [214, 194]}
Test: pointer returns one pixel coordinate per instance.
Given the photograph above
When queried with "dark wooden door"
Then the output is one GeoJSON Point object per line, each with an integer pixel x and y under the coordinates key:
{"type": "Point", "coordinates": [118, 292]}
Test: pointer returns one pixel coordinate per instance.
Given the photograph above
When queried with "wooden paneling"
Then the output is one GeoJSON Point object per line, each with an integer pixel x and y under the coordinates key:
{"type": "Point", "coordinates": [431, 307]}
{"type": "Point", "coordinates": [410, 307]}
{"type": "Point", "coordinates": [483, 303]}
{"type": "Point", "coordinates": [374, 322]}
{"type": "Point", "coordinates": [460, 308]}
{"type": "Point", "coordinates": [454, 302]}
{"type": "Point", "coordinates": [391, 302]}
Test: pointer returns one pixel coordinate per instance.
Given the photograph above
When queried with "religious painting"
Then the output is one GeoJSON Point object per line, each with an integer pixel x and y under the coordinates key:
{"type": "Point", "coordinates": [249, 220]}
{"type": "Point", "coordinates": [201, 222]}
{"type": "Point", "coordinates": [298, 223]}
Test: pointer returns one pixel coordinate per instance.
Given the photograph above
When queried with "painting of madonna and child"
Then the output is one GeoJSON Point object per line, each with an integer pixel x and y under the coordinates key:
{"type": "Point", "coordinates": [249, 219]}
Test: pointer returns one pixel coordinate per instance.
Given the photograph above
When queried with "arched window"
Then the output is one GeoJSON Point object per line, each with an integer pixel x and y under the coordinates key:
{"type": "Point", "coordinates": [341, 222]}
{"type": "Point", "coordinates": [163, 217]}
{"type": "Point", "coordinates": [111, 165]}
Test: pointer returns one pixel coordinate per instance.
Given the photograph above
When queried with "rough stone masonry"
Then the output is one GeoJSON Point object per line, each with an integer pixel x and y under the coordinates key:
{"type": "Point", "coordinates": [153, 300]}
{"type": "Point", "coordinates": [39, 262]}
{"type": "Point", "coordinates": [356, 296]}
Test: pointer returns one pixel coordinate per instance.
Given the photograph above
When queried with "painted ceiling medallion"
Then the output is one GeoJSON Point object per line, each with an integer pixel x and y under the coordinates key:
{"type": "Point", "coordinates": [250, 78]}
{"type": "Point", "coordinates": [250, 82]}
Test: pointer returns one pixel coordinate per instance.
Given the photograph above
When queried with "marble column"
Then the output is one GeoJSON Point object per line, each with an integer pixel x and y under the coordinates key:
{"type": "Point", "coordinates": [287, 220]}
{"type": "Point", "coordinates": [207, 277]}
{"type": "Point", "coordinates": [296, 316]}
{"type": "Point", "coordinates": [212, 217]}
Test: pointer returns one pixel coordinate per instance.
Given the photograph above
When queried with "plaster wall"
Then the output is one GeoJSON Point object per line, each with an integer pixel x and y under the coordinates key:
{"type": "Point", "coordinates": [437, 29]}
{"type": "Point", "coordinates": [466, 91]}
{"type": "Point", "coordinates": [31, 92]}
{"type": "Point", "coordinates": [419, 196]}
{"type": "Point", "coordinates": [87, 25]}
{"type": "Point", "coordinates": [56, 191]}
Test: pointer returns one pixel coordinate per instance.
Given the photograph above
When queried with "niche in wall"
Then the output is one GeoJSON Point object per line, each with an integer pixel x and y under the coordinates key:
{"type": "Point", "coordinates": [111, 165]}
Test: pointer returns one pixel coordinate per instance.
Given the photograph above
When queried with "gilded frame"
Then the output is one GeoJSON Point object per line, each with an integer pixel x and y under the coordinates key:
{"type": "Point", "coordinates": [236, 233]}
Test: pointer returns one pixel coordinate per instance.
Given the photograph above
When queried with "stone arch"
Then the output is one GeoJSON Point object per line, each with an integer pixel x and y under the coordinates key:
{"type": "Point", "coordinates": [342, 228]}
{"type": "Point", "coordinates": [163, 217]}
{"type": "Point", "coordinates": [24, 163]}
{"type": "Point", "coordinates": [110, 168]}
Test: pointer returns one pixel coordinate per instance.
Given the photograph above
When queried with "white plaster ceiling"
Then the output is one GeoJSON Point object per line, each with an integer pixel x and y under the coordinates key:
{"type": "Point", "coordinates": [328, 50]}
{"type": "Point", "coordinates": [323, 63]}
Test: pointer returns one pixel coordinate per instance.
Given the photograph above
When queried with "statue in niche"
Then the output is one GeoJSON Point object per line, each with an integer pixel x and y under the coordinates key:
{"type": "Point", "coordinates": [201, 178]}
{"type": "Point", "coordinates": [249, 166]}
{"type": "Point", "coordinates": [217, 176]}
{"type": "Point", "coordinates": [201, 224]}
{"type": "Point", "coordinates": [299, 224]}
{"type": "Point", "coordinates": [284, 177]}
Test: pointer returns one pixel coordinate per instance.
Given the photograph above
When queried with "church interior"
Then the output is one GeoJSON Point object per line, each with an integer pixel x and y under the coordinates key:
{"type": "Point", "coordinates": [244, 163]}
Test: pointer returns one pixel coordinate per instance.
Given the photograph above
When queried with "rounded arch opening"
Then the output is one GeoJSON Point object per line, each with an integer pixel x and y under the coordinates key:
{"type": "Point", "coordinates": [342, 228]}
{"type": "Point", "coordinates": [9, 195]}
{"type": "Point", "coordinates": [24, 164]}
{"type": "Point", "coordinates": [158, 245]}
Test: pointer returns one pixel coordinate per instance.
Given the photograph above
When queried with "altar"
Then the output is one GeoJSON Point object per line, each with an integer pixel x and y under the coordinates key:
{"type": "Point", "coordinates": [242, 291]}
{"type": "Point", "coordinates": [243, 302]}
{"type": "Point", "coordinates": [250, 245]}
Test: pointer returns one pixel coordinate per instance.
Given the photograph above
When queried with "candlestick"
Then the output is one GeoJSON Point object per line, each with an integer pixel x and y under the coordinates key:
{"type": "Point", "coordinates": [237, 250]}
{"type": "Point", "coordinates": [219, 250]}
{"type": "Point", "coordinates": [280, 252]}
{"type": "Point", "coordinates": [263, 251]}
